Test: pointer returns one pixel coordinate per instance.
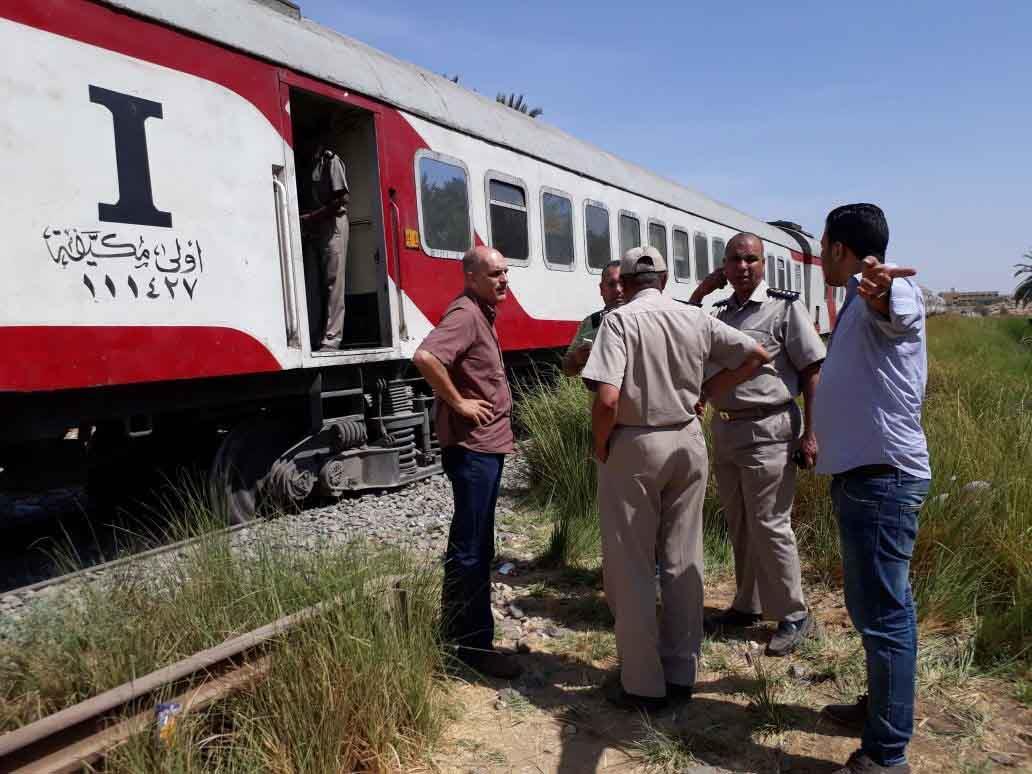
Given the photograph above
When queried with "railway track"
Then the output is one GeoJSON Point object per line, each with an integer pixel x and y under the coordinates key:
{"type": "Point", "coordinates": [85, 733]}
{"type": "Point", "coordinates": [88, 573]}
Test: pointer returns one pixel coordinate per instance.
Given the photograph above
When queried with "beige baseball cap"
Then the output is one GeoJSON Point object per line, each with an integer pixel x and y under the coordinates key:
{"type": "Point", "coordinates": [641, 260]}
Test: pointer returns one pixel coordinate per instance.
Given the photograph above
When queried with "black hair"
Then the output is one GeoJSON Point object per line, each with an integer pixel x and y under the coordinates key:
{"type": "Point", "coordinates": [860, 227]}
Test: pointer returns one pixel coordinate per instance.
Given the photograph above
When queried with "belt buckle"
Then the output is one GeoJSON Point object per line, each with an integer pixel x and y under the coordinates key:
{"type": "Point", "coordinates": [724, 415]}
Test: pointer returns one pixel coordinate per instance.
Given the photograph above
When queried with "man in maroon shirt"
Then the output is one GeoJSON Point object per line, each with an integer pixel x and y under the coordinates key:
{"type": "Point", "coordinates": [462, 362]}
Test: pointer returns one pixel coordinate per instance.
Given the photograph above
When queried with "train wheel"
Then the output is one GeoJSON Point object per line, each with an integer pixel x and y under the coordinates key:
{"type": "Point", "coordinates": [243, 461]}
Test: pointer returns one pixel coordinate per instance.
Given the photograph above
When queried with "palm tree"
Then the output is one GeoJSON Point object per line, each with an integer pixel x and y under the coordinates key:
{"type": "Point", "coordinates": [517, 103]}
{"type": "Point", "coordinates": [1023, 292]}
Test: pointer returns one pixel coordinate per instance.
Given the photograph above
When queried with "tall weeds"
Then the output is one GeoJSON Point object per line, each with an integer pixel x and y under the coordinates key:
{"type": "Point", "coordinates": [358, 688]}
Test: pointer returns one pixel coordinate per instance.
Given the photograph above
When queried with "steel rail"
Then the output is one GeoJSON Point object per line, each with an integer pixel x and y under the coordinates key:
{"type": "Point", "coordinates": [60, 580]}
{"type": "Point", "coordinates": [69, 738]}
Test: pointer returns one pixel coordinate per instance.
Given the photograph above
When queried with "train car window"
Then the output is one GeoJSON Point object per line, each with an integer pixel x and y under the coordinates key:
{"type": "Point", "coordinates": [596, 234]}
{"type": "Point", "coordinates": [630, 232]}
{"type": "Point", "coordinates": [557, 217]}
{"type": "Point", "coordinates": [797, 277]}
{"type": "Point", "coordinates": [702, 267]}
{"type": "Point", "coordinates": [782, 275]}
{"type": "Point", "coordinates": [443, 205]}
{"type": "Point", "coordinates": [507, 224]}
{"type": "Point", "coordinates": [657, 237]}
{"type": "Point", "coordinates": [770, 271]}
{"type": "Point", "coordinates": [682, 258]}
{"type": "Point", "coordinates": [718, 251]}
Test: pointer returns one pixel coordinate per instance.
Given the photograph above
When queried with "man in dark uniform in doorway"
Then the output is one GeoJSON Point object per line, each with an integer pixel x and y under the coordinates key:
{"type": "Point", "coordinates": [328, 222]}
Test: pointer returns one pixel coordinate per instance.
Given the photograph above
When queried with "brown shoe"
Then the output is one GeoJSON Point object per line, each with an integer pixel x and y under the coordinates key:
{"type": "Point", "coordinates": [850, 715]}
{"type": "Point", "coordinates": [860, 763]}
{"type": "Point", "coordinates": [491, 663]}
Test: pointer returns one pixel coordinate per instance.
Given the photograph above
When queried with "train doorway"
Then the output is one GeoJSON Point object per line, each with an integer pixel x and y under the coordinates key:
{"type": "Point", "coordinates": [324, 126]}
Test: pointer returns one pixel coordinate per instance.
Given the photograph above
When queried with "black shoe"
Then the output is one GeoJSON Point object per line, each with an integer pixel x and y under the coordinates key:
{"type": "Point", "coordinates": [860, 763]}
{"type": "Point", "coordinates": [491, 663]}
{"type": "Point", "coordinates": [729, 619]}
{"type": "Point", "coordinates": [678, 693]}
{"type": "Point", "coordinates": [851, 715]}
{"type": "Point", "coordinates": [789, 634]}
{"type": "Point", "coordinates": [615, 694]}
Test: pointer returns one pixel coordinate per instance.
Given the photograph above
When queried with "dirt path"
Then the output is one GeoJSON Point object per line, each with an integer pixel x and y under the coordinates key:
{"type": "Point", "coordinates": [749, 714]}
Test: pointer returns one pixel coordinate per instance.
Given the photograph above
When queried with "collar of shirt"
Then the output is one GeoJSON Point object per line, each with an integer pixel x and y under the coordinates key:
{"type": "Point", "coordinates": [489, 311]}
{"type": "Point", "coordinates": [645, 293]}
{"type": "Point", "coordinates": [759, 295]}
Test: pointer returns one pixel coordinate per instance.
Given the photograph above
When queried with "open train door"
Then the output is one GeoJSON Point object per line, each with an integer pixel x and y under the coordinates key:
{"type": "Point", "coordinates": [324, 119]}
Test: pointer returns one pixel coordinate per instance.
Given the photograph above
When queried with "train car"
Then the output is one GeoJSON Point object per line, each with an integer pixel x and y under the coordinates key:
{"type": "Point", "coordinates": [160, 288]}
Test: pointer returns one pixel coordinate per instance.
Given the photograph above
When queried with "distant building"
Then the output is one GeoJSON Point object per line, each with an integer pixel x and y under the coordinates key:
{"type": "Point", "coordinates": [971, 298]}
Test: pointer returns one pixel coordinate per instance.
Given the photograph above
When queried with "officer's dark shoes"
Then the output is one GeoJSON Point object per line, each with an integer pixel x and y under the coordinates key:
{"type": "Point", "coordinates": [678, 694]}
{"type": "Point", "coordinates": [729, 619]}
{"type": "Point", "coordinates": [860, 763]}
{"type": "Point", "coordinates": [849, 715]}
{"type": "Point", "coordinates": [789, 634]}
{"type": "Point", "coordinates": [615, 694]}
{"type": "Point", "coordinates": [491, 663]}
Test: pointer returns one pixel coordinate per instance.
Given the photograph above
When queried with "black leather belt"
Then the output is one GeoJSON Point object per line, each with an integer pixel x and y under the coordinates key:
{"type": "Point", "coordinates": [753, 413]}
{"type": "Point", "coordinates": [870, 471]}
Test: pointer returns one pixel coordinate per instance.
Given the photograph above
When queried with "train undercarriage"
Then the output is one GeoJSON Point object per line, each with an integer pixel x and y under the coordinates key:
{"type": "Point", "coordinates": [262, 443]}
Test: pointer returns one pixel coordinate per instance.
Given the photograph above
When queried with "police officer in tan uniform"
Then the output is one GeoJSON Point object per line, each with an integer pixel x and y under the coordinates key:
{"type": "Point", "coordinates": [757, 429]}
{"type": "Point", "coordinates": [646, 367]}
{"type": "Point", "coordinates": [329, 222]}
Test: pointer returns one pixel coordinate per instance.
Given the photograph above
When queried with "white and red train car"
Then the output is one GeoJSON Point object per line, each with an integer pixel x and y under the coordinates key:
{"type": "Point", "coordinates": [157, 155]}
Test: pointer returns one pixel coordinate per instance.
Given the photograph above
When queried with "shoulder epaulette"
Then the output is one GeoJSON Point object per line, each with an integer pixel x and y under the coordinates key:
{"type": "Point", "coordinates": [596, 318]}
{"type": "Point", "coordinates": [786, 295]}
{"type": "Point", "coordinates": [721, 302]}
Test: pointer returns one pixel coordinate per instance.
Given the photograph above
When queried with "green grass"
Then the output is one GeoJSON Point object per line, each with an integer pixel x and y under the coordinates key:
{"type": "Point", "coordinates": [358, 688]}
{"type": "Point", "coordinates": [972, 563]}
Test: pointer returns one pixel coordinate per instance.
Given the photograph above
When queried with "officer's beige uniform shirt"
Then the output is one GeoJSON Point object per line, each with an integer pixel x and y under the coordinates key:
{"type": "Point", "coordinates": [785, 330]}
{"type": "Point", "coordinates": [655, 350]}
{"type": "Point", "coordinates": [651, 488]}
{"type": "Point", "coordinates": [753, 457]}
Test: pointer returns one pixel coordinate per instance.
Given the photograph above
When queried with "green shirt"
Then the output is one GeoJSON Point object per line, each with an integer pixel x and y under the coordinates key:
{"type": "Point", "coordinates": [587, 330]}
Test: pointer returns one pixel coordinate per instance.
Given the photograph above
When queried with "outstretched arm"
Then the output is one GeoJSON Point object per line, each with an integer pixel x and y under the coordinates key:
{"type": "Point", "coordinates": [876, 283]}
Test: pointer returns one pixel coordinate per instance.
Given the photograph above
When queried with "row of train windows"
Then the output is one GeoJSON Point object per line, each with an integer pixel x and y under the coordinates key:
{"type": "Point", "coordinates": [445, 221]}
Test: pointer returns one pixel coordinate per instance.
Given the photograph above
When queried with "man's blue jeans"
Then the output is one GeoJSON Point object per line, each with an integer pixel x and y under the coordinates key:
{"type": "Point", "coordinates": [877, 512]}
{"type": "Point", "coordinates": [466, 597]}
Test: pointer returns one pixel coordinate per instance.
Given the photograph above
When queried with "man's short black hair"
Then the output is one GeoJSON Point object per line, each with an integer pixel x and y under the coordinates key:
{"type": "Point", "coordinates": [860, 227]}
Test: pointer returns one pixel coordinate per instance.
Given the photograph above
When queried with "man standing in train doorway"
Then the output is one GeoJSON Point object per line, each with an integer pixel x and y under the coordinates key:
{"type": "Point", "coordinates": [328, 222]}
{"type": "Point", "coordinates": [756, 432]}
{"type": "Point", "coordinates": [647, 368]}
{"type": "Point", "coordinates": [462, 361]}
{"type": "Point", "coordinates": [611, 290]}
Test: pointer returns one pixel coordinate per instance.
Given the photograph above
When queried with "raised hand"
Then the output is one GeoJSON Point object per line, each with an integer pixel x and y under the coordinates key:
{"type": "Point", "coordinates": [876, 282]}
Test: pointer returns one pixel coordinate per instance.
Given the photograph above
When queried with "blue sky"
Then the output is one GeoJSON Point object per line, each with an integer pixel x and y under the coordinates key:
{"type": "Point", "coordinates": [782, 110]}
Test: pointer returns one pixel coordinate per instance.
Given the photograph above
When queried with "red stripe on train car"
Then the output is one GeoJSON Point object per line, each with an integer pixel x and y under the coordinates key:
{"type": "Point", "coordinates": [55, 357]}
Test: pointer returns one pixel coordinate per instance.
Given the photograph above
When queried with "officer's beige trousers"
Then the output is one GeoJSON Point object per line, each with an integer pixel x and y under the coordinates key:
{"type": "Point", "coordinates": [650, 494]}
{"type": "Point", "coordinates": [334, 255]}
{"type": "Point", "coordinates": [756, 484]}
